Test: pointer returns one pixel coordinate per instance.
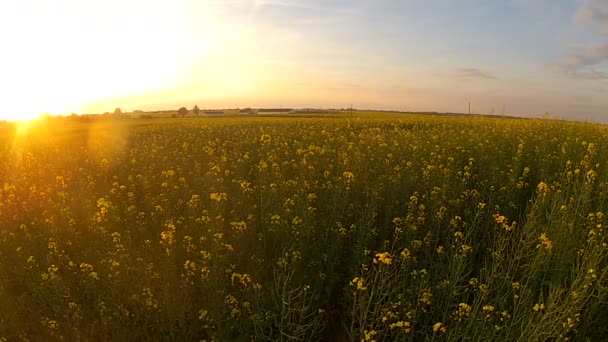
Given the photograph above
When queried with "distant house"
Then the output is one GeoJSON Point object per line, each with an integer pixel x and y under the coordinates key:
{"type": "Point", "coordinates": [274, 111]}
{"type": "Point", "coordinates": [307, 111]}
{"type": "Point", "coordinates": [246, 111]}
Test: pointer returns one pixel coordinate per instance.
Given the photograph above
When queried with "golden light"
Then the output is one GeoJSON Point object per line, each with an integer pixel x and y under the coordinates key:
{"type": "Point", "coordinates": [69, 54]}
{"type": "Point", "coordinates": [23, 126]}
{"type": "Point", "coordinates": [72, 56]}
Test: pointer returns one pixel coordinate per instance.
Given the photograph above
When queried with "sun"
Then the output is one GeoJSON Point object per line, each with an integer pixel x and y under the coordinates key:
{"type": "Point", "coordinates": [25, 106]}
{"type": "Point", "coordinates": [26, 119]}
{"type": "Point", "coordinates": [71, 60]}
{"type": "Point", "coordinates": [17, 116]}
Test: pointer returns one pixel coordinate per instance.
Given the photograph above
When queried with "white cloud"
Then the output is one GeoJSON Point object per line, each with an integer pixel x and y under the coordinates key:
{"type": "Point", "coordinates": [595, 11]}
{"type": "Point", "coordinates": [588, 61]}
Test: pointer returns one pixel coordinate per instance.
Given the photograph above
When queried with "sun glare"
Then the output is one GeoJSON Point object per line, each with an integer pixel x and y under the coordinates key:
{"type": "Point", "coordinates": [79, 59]}
{"type": "Point", "coordinates": [24, 124]}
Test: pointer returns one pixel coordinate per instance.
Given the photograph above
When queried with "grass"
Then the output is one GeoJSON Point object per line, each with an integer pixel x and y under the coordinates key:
{"type": "Point", "coordinates": [380, 227]}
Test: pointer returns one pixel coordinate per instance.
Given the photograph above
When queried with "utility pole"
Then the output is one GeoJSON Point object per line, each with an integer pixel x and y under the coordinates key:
{"type": "Point", "coordinates": [469, 107]}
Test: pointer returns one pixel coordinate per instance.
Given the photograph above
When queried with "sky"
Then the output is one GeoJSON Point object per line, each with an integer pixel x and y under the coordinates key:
{"type": "Point", "coordinates": [514, 57]}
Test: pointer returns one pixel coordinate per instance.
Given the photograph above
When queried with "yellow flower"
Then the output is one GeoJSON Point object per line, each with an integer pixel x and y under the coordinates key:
{"type": "Point", "coordinates": [244, 279]}
{"type": "Point", "coordinates": [384, 258]}
{"type": "Point", "coordinates": [464, 310]}
{"type": "Point", "coordinates": [426, 296]}
{"type": "Point", "coordinates": [465, 248]}
{"type": "Point", "coordinates": [439, 327]}
{"type": "Point", "coordinates": [591, 176]}
{"type": "Point", "coordinates": [488, 308]}
{"type": "Point", "coordinates": [545, 242]}
{"type": "Point", "coordinates": [348, 176]}
{"type": "Point", "coordinates": [190, 265]}
{"type": "Point", "coordinates": [368, 336]}
{"type": "Point", "coordinates": [50, 323]}
{"type": "Point", "coordinates": [542, 188]}
{"type": "Point", "coordinates": [265, 138]}
{"type": "Point", "coordinates": [218, 196]}
{"type": "Point", "coordinates": [407, 326]}
{"type": "Point", "coordinates": [239, 226]}
{"type": "Point", "coordinates": [359, 283]}
{"type": "Point", "coordinates": [538, 307]}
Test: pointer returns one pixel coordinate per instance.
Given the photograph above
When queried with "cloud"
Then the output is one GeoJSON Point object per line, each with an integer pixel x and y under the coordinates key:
{"type": "Point", "coordinates": [587, 62]}
{"type": "Point", "coordinates": [473, 73]}
{"type": "Point", "coordinates": [593, 11]}
{"type": "Point", "coordinates": [583, 73]}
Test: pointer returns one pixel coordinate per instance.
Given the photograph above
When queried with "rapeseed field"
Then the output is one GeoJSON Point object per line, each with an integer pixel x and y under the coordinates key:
{"type": "Point", "coordinates": [401, 228]}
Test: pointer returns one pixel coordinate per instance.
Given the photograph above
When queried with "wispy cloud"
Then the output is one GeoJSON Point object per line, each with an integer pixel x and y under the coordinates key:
{"type": "Point", "coordinates": [473, 73]}
{"type": "Point", "coordinates": [593, 11]}
{"type": "Point", "coordinates": [583, 63]}
{"type": "Point", "coordinates": [586, 61]}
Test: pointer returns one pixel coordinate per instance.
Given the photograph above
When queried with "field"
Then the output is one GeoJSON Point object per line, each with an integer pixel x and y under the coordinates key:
{"type": "Point", "coordinates": [387, 228]}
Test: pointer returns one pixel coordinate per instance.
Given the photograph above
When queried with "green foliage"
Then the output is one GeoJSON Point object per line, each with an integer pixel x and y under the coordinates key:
{"type": "Point", "coordinates": [183, 111]}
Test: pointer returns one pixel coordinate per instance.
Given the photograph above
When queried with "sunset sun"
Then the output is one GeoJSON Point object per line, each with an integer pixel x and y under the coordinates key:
{"type": "Point", "coordinates": [79, 55]}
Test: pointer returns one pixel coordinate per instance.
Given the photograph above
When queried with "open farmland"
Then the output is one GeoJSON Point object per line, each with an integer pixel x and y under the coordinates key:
{"type": "Point", "coordinates": [394, 228]}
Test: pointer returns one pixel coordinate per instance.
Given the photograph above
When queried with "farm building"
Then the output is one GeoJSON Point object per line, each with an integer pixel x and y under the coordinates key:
{"type": "Point", "coordinates": [274, 111]}
{"type": "Point", "coordinates": [311, 111]}
{"type": "Point", "coordinates": [247, 111]}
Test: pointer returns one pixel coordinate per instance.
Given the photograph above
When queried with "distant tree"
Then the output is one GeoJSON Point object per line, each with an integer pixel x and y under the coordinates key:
{"type": "Point", "coordinates": [117, 111]}
{"type": "Point", "coordinates": [182, 112]}
{"type": "Point", "coordinates": [195, 110]}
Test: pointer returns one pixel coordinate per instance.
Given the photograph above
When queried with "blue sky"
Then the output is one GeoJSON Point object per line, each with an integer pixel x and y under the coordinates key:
{"type": "Point", "coordinates": [513, 56]}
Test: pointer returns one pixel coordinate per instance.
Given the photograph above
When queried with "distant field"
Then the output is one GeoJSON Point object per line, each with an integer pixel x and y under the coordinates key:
{"type": "Point", "coordinates": [378, 227]}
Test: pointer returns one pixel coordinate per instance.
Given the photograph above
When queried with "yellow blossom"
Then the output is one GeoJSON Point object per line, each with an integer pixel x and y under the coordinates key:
{"type": "Point", "coordinates": [384, 258]}
{"type": "Point", "coordinates": [439, 327]}
{"type": "Point", "coordinates": [538, 307]}
{"type": "Point", "coordinates": [218, 196]}
{"type": "Point", "coordinates": [542, 188]}
{"type": "Point", "coordinates": [359, 283]}
{"type": "Point", "coordinates": [545, 242]}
